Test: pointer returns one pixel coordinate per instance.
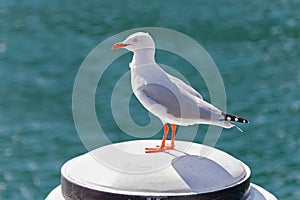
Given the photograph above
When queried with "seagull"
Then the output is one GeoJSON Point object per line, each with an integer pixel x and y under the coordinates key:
{"type": "Point", "coordinates": [171, 100]}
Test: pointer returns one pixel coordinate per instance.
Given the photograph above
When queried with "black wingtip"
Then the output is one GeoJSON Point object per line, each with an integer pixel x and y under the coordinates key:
{"type": "Point", "coordinates": [234, 118]}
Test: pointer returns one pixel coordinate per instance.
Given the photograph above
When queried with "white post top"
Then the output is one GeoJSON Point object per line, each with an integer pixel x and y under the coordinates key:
{"type": "Point", "coordinates": [123, 169]}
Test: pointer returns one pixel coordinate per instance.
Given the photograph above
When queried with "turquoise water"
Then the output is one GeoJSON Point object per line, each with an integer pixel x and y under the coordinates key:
{"type": "Point", "coordinates": [255, 45]}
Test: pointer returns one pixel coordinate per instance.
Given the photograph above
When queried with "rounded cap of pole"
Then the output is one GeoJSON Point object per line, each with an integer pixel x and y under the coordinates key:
{"type": "Point", "coordinates": [192, 170]}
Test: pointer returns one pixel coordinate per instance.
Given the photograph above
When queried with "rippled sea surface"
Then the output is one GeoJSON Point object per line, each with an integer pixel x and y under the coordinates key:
{"type": "Point", "coordinates": [255, 45]}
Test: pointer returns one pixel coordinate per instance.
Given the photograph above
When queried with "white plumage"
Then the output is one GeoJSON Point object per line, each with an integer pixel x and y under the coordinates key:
{"type": "Point", "coordinates": [166, 96]}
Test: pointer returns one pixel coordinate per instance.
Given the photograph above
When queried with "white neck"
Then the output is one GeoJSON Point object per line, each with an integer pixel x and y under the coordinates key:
{"type": "Point", "coordinates": [142, 57]}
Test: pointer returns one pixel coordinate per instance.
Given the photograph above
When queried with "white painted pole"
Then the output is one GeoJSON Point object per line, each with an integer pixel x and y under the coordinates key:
{"type": "Point", "coordinates": [124, 171]}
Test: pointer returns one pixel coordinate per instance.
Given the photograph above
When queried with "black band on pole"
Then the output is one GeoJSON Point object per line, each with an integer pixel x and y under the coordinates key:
{"type": "Point", "coordinates": [72, 191]}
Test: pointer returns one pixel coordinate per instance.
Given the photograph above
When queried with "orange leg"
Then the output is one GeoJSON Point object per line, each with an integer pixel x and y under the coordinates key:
{"type": "Point", "coordinates": [173, 135]}
{"type": "Point", "coordinates": [163, 143]}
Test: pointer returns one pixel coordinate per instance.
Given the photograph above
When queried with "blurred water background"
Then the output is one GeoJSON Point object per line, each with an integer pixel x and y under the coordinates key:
{"type": "Point", "coordinates": [255, 45]}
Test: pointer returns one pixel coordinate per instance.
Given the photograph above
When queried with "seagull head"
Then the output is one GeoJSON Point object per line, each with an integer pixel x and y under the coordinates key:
{"type": "Point", "coordinates": [135, 42]}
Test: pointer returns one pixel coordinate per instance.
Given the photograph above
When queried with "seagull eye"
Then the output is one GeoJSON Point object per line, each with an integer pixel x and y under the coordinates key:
{"type": "Point", "coordinates": [134, 39]}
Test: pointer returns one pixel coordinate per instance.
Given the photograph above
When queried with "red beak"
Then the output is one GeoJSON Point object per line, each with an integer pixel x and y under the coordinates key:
{"type": "Point", "coordinates": [118, 45]}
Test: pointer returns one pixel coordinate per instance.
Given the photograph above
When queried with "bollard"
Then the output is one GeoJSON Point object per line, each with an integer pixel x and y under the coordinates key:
{"type": "Point", "coordinates": [123, 171]}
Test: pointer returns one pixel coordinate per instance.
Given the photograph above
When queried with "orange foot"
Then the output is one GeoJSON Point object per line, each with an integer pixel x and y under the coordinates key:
{"type": "Point", "coordinates": [159, 149]}
{"type": "Point", "coordinates": [163, 147]}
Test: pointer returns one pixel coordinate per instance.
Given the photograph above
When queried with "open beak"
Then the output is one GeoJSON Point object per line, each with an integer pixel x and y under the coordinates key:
{"type": "Point", "coordinates": [118, 45]}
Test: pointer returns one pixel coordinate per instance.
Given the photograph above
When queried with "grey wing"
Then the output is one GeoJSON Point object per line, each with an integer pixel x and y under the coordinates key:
{"type": "Point", "coordinates": [191, 111]}
{"type": "Point", "coordinates": [153, 93]}
{"type": "Point", "coordinates": [182, 85]}
{"type": "Point", "coordinates": [203, 110]}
